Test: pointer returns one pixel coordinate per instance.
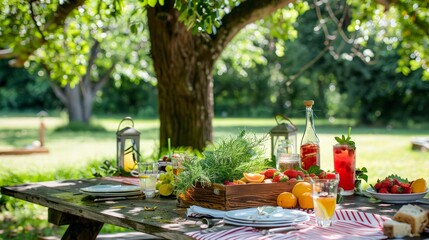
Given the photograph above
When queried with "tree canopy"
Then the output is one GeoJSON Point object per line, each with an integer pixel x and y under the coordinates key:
{"type": "Point", "coordinates": [188, 37]}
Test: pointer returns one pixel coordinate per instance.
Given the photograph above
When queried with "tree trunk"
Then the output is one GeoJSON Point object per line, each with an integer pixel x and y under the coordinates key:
{"type": "Point", "coordinates": [183, 66]}
{"type": "Point", "coordinates": [73, 103]}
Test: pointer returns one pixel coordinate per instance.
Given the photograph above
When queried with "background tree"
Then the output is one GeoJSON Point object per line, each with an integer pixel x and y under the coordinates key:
{"type": "Point", "coordinates": [184, 61]}
{"type": "Point", "coordinates": [82, 57]}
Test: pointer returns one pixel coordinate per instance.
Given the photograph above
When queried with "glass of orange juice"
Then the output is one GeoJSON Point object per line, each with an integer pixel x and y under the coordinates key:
{"type": "Point", "coordinates": [325, 200]}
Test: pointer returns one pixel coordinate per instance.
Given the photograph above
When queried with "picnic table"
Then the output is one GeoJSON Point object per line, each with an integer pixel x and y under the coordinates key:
{"type": "Point", "coordinates": [85, 217]}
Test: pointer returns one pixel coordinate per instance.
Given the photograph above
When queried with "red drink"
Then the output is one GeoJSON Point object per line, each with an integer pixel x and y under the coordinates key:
{"type": "Point", "coordinates": [345, 166]}
{"type": "Point", "coordinates": [309, 155]}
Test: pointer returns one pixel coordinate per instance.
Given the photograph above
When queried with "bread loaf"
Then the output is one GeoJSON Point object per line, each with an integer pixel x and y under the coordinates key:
{"type": "Point", "coordinates": [414, 215]}
{"type": "Point", "coordinates": [394, 229]}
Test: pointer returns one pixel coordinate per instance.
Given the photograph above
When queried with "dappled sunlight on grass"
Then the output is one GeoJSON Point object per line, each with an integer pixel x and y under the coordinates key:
{"type": "Point", "coordinates": [72, 155]}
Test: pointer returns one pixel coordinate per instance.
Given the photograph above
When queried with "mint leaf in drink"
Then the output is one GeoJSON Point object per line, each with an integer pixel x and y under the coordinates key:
{"type": "Point", "coordinates": [346, 140]}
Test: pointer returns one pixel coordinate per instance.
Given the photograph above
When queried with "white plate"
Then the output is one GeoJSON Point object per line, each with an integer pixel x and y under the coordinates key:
{"type": "Point", "coordinates": [118, 194]}
{"type": "Point", "coordinates": [396, 198]}
{"type": "Point", "coordinates": [110, 188]}
{"type": "Point", "coordinates": [274, 214]}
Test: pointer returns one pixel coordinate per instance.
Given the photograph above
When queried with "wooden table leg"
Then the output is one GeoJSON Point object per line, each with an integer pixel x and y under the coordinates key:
{"type": "Point", "coordinates": [80, 228]}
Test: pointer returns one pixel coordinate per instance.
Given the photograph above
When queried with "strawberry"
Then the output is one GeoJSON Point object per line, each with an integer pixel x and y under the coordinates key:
{"type": "Point", "coordinates": [396, 189]}
{"type": "Point", "coordinates": [395, 181]}
{"type": "Point", "coordinates": [291, 173]}
{"type": "Point", "coordinates": [269, 173]}
{"type": "Point", "coordinates": [322, 175]}
{"type": "Point", "coordinates": [387, 183]}
{"type": "Point", "coordinates": [406, 189]}
{"type": "Point", "coordinates": [312, 175]}
{"type": "Point", "coordinates": [284, 179]}
{"type": "Point", "coordinates": [383, 190]}
{"type": "Point", "coordinates": [277, 176]}
{"type": "Point", "coordinates": [404, 185]}
{"type": "Point", "coordinates": [226, 182]}
{"type": "Point", "coordinates": [377, 186]}
{"type": "Point", "coordinates": [331, 176]}
{"type": "Point", "coordinates": [292, 180]}
{"type": "Point", "coordinates": [300, 173]}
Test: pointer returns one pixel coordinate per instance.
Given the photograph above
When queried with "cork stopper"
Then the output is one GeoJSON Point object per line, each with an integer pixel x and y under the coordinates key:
{"type": "Point", "coordinates": [308, 103]}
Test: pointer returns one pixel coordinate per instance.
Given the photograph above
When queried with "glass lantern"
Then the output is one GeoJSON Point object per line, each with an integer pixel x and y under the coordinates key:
{"type": "Point", "coordinates": [127, 146]}
{"type": "Point", "coordinates": [283, 135]}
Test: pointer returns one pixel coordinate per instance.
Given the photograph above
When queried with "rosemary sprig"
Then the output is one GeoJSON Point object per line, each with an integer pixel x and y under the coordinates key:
{"type": "Point", "coordinates": [227, 160]}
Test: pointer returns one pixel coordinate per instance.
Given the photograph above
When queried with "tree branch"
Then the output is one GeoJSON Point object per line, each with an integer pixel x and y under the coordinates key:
{"type": "Point", "coordinates": [105, 78]}
{"type": "Point", "coordinates": [57, 90]}
{"type": "Point", "coordinates": [240, 16]}
{"type": "Point", "coordinates": [6, 53]}
{"type": "Point", "coordinates": [95, 48]}
{"type": "Point", "coordinates": [54, 21]}
{"type": "Point", "coordinates": [33, 17]}
{"type": "Point", "coordinates": [309, 64]}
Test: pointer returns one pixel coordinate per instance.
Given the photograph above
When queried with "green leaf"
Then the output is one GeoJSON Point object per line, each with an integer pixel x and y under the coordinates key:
{"type": "Point", "coordinates": [346, 141]}
{"type": "Point", "coordinates": [152, 3]}
{"type": "Point", "coordinates": [314, 169]}
{"type": "Point", "coordinates": [394, 176]}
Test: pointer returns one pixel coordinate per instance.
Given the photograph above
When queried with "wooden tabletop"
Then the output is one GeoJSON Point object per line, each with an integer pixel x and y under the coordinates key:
{"type": "Point", "coordinates": [85, 217]}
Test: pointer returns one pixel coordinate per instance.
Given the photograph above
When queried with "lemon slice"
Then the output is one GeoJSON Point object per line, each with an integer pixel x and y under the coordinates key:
{"type": "Point", "coordinates": [419, 185]}
{"type": "Point", "coordinates": [325, 207]}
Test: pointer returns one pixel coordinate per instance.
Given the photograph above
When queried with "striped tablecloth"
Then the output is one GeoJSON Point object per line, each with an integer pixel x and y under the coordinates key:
{"type": "Point", "coordinates": [125, 180]}
{"type": "Point", "coordinates": [348, 224]}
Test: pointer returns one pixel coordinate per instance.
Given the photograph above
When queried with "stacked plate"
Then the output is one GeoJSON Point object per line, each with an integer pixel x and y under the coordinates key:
{"type": "Point", "coordinates": [265, 217]}
{"type": "Point", "coordinates": [111, 190]}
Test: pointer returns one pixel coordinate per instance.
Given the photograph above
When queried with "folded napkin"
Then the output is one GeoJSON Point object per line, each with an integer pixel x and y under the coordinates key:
{"type": "Point", "coordinates": [196, 211]}
{"type": "Point", "coordinates": [124, 180]}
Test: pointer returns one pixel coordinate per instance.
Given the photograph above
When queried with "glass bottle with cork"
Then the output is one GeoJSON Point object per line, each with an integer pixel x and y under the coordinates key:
{"type": "Point", "coordinates": [310, 149]}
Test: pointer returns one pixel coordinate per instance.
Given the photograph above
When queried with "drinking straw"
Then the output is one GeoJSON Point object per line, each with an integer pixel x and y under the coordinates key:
{"type": "Point", "coordinates": [169, 148]}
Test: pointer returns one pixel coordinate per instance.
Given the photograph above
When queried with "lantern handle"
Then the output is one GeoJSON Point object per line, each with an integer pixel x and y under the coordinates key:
{"type": "Point", "coordinates": [281, 117]}
{"type": "Point", "coordinates": [125, 119]}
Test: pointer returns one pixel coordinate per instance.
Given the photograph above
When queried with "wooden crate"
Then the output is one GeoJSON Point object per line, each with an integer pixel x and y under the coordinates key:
{"type": "Point", "coordinates": [230, 197]}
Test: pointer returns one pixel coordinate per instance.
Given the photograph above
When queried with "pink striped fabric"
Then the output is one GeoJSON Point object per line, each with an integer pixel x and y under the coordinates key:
{"type": "Point", "coordinates": [125, 180]}
{"type": "Point", "coordinates": [348, 224]}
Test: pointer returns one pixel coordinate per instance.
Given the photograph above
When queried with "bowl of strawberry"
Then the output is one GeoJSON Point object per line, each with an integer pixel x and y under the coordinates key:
{"type": "Point", "coordinates": [394, 189]}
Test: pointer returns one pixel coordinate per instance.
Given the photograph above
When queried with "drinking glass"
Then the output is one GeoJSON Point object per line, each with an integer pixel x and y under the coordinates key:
{"type": "Point", "coordinates": [288, 161]}
{"type": "Point", "coordinates": [324, 200]}
{"type": "Point", "coordinates": [177, 163]}
{"type": "Point", "coordinates": [147, 173]}
{"type": "Point", "coordinates": [345, 165]}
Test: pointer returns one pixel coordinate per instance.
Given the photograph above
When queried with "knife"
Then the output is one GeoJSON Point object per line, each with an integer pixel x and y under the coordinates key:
{"type": "Point", "coordinates": [282, 229]}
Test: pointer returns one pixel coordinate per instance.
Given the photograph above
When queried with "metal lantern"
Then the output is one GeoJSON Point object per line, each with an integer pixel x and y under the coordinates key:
{"type": "Point", "coordinates": [127, 146]}
{"type": "Point", "coordinates": [284, 132]}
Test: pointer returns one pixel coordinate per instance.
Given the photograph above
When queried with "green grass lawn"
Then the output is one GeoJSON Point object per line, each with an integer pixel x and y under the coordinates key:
{"type": "Point", "coordinates": [382, 151]}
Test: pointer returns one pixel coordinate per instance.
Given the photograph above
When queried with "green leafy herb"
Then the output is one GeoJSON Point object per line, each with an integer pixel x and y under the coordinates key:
{"type": "Point", "coordinates": [346, 140]}
{"type": "Point", "coordinates": [394, 176]}
{"type": "Point", "coordinates": [314, 169]}
{"type": "Point", "coordinates": [361, 173]}
{"type": "Point", "coordinates": [225, 161]}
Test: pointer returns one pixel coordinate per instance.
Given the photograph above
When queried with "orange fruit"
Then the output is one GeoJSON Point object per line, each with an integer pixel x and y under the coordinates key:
{"type": "Point", "coordinates": [306, 200]}
{"type": "Point", "coordinates": [300, 188]}
{"type": "Point", "coordinates": [418, 186]}
{"type": "Point", "coordinates": [238, 182]}
{"type": "Point", "coordinates": [254, 177]}
{"type": "Point", "coordinates": [286, 200]}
